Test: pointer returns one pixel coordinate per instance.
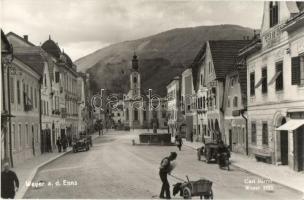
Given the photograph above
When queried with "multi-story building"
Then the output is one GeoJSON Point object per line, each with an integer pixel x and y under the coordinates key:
{"type": "Point", "coordinates": [187, 100]}
{"type": "Point", "coordinates": [200, 122]}
{"type": "Point", "coordinates": [210, 66]}
{"type": "Point", "coordinates": [68, 98]}
{"type": "Point", "coordinates": [173, 106]}
{"type": "Point", "coordinates": [235, 109]}
{"type": "Point", "coordinates": [21, 93]}
{"type": "Point", "coordinates": [6, 61]}
{"type": "Point", "coordinates": [36, 57]}
{"type": "Point", "coordinates": [275, 74]}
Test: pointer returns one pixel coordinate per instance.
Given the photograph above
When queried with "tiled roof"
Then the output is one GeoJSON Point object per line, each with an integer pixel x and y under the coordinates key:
{"type": "Point", "coordinates": [8, 46]}
{"type": "Point", "coordinates": [224, 53]}
{"type": "Point", "coordinates": [21, 38]}
{"type": "Point", "coordinates": [33, 60]}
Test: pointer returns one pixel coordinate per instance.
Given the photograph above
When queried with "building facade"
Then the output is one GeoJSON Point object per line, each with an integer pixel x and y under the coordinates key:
{"type": "Point", "coordinates": [175, 118]}
{"type": "Point", "coordinates": [187, 100]}
{"type": "Point", "coordinates": [275, 92]}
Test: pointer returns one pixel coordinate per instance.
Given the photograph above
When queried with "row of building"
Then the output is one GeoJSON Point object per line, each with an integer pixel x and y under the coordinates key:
{"type": "Point", "coordinates": [43, 97]}
{"type": "Point", "coordinates": [248, 93]}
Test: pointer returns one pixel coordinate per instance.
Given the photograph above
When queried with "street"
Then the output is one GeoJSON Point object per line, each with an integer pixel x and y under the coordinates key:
{"type": "Point", "coordinates": [114, 168]}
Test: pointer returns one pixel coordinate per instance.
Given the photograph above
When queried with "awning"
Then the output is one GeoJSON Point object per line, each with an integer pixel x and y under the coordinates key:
{"type": "Point", "coordinates": [291, 125]}
{"type": "Point", "coordinates": [274, 78]}
{"type": "Point", "coordinates": [259, 83]}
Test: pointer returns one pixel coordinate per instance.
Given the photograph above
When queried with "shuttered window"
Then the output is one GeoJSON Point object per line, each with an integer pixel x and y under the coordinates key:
{"type": "Point", "coordinates": [295, 70]}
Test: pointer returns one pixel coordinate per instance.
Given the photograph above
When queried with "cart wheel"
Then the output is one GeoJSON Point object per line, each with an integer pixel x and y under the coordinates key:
{"type": "Point", "coordinates": [186, 193]}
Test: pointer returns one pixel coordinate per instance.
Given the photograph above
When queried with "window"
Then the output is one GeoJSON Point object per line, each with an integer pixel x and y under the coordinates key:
{"type": "Point", "coordinates": [118, 114]}
{"type": "Point", "coordinates": [201, 79]}
{"type": "Point", "coordinates": [47, 108]}
{"type": "Point", "coordinates": [20, 136]}
{"type": "Point", "coordinates": [235, 102]}
{"type": "Point", "coordinates": [45, 80]}
{"type": "Point", "coordinates": [228, 102]}
{"type": "Point", "coordinates": [164, 114]}
{"type": "Point", "coordinates": [13, 136]}
{"type": "Point", "coordinates": [134, 80]}
{"type": "Point", "coordinates": [145, 115]}
{"type": "Point", "coordinates": [253, 133]}
{"type": "Point", "coordinates": [32, 95]}
{"type": "Point", "coordinates": [18, 92]}
{"type": "Point", "coordinates": [27, 135]}
{"type": "Point", "coordinates": [252, 81]}
{"type": "Point", "coordinates": [265, 133]}
{"type": "Point", "coordinates": [35, 97]}
{"type": "Point", "coordinates": [12, 90]}
{"type": "Point", "coordinates": [297, 70]}
{"type": "Point", "coordinates": [273, 13]}
{"type": "Point", "coordinates": [135, 115]}
{"type": "Point", "coordinates": [57, 77]}
{"type": "Point", "coordinates": [279, 76]}
{"type": "Point", "coordinates": [264, 80]}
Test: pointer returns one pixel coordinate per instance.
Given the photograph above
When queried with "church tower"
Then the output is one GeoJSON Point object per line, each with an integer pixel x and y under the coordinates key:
{"type": "Point", "coordinates": [135, 77]}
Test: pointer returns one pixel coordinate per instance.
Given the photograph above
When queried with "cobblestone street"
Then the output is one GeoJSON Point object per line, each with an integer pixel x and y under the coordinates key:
{"type": "Point", "coordinates": [114, 168]}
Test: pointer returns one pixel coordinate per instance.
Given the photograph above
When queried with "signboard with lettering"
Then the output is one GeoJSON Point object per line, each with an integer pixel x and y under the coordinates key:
{"type": "Point", "coordinates": [272, 37]}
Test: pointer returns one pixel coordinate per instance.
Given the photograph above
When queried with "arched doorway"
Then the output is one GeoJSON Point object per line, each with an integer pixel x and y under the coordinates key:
{"type": "Point", "coordinates": [284, 144]}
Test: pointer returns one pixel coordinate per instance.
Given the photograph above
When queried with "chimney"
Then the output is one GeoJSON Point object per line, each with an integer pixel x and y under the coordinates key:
{"type": "Point", "coordinates": [25, 37]}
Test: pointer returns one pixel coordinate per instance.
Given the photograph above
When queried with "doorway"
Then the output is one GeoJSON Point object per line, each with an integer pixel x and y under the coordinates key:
{"type": "Point", "coordinates": [299, 148]}
{"type": "Point", "coordinates": [284, 145]}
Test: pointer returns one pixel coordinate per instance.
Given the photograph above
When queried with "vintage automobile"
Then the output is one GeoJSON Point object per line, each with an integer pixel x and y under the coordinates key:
{"type": "Point", "coordinates": [81, 145]}
{"type": "Point", "coordinates": [87, 137]}
{"type": "Point", "coordinates": [211, 152]}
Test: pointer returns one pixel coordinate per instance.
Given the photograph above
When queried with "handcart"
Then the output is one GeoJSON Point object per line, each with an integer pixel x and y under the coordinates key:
{"type": "Point", "coordinates": [188, 189]}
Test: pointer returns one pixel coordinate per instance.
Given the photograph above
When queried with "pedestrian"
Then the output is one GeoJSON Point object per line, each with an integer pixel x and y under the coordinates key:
{"type": "Point", "coordinates": [179, 142]}
{"type": "Point", "coordinates": [64, 143]}
{"type": "Point", "coordinates": [164, 170]}
{"type": "Point", "coordinates": [9, 182]}
{"type": "Point", "coordinates": [58, 143]}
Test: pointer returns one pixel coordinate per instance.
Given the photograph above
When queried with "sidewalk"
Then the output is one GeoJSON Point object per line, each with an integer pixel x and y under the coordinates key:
{"type": "Point", "coordinates": [282, 175]}
{"type": "Point", "coordinates": [28, 169]}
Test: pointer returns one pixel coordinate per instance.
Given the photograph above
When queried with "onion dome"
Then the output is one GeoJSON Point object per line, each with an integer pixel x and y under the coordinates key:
{"type": "Point", "coordinates": [51, 47]}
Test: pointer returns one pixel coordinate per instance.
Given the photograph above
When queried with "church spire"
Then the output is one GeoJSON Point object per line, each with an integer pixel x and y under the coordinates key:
{"type": "Point", "coordinates": [135, 62]}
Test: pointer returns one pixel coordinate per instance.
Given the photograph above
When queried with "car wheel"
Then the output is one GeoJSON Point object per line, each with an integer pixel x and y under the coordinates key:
{"type": "Point", "coordinates": [186, 193]}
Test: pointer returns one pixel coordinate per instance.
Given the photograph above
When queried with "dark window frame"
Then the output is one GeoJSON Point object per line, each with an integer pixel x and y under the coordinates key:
{"type": "Point", "coordinates": [265, 134]}
{"type": "Point", "coordinates": [252, 83]}
{"type": "Point", "coordinates": [264, 80]}
{"type": "Point", "coordinates": [253, 133]}
{"type": "Point", "coordinates": [279, 82]}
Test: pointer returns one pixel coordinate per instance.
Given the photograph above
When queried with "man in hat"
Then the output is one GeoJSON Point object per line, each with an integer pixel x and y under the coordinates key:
{"type": "Point", "coordinates": [9, 182]}
{"type": "Point", "coordinates": [164, 170]}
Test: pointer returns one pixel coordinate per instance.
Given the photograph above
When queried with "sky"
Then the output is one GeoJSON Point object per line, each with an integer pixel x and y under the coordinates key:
{"type": "Point", "coordinates": [83, 26]}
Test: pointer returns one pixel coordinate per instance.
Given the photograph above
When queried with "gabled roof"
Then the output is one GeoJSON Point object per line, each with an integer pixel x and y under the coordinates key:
{"type": "Point", "coordinates": [33, 60]}
{"type": "Point", "coordinates": [8, 47]}
{"type": "Point", "coordinates": [19, 37]}
{"type": "Point", "coordinates": [196, 64]}
{"type": "Point", "coordinates": [224, 53]}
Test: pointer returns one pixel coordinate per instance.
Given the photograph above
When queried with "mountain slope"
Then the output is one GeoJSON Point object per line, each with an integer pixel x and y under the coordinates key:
{"type": "Point", "coordinates": [161, 56]}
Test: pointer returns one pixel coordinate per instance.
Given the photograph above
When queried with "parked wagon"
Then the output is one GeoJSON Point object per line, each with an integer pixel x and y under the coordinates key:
{"type": "Point", "coordinates": [188, 189]}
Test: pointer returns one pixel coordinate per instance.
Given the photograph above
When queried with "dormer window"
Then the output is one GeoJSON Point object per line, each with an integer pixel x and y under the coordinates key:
{"type": "Point", "coordinates": [273, 13]}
